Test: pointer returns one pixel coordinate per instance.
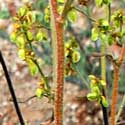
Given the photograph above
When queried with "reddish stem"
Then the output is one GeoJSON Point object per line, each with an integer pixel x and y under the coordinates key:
{"type": "Point", "coordinates": [115, 94]}
{"type": "Point", "coordinates": [59, 76]}
{"type": "Point", "coordinates": [115, 87]}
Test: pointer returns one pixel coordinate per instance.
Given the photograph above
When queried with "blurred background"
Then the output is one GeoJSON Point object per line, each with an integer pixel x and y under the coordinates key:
{"type": "Point", "coordinates": [77, 111]}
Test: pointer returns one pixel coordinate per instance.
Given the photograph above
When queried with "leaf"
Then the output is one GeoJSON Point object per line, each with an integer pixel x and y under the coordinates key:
{"type": "Point", "coordinates": [72, 16]}
{"type": "Point", "coordinates": [29, 35]}
{"type": "Point", "coordinates": [75, 56]}
{"type": "Point", "coordinates": [95, 34]}
{"type": "Point", "coordinates": [92, 96]}
{"type": "Point", "coordinates": [39, 92]}
{"type": "Point", "coordinates": [104, 102]}
{"type": "Point", "coordinates": [21, 53]}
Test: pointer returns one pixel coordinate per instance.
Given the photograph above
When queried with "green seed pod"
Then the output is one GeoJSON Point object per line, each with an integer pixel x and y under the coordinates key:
{"type": "Point", "coordinates": [20, 42]}
{"type": "Point", "coordinates": [96, 90]}
{"type": "Point", "coordinates": [30, 35]}
{"type": "Point", "coordinates": [32, 66]}
{"type": "Point", "coordinates": [75, 56]}
{"type": "Point", "coordinates": [39, 92]}
{"type": "Point", "coordinates": [22, 11]}
{"type": "Point", "coordinates": [92, 96]}
{"type": "Point", "coordinates": [92, 77]}
{"type": "Point", "coordinates": [102, 82]}
{"type": "Point", "coordinates": [13, 36]}
{"type": "Point", "coordinates": [104, 101]}
{"type": "Point", "coordinates": [21, 53]}
{"type": "Point", "coordinates": [39, 36]}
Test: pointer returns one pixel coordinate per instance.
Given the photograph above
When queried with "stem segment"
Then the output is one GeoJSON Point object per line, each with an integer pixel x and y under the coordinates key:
{"type": "Point", "coordinates": [114, 95]}
{"type": "Point", "coordinates": [115, 87]}
{"type": "Point", "coordinates": [58, 55]}
{"type": "Point", "coordinates": [103, 75]}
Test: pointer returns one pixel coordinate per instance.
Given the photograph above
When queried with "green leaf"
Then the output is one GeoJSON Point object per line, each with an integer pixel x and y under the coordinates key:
{"type": "Point", "coordinates": [29, 35]}
{"type": "Point", "coordinates": [99, 2]}
{"type": "Point", "coordinates": [75, 56]}
{"type": "Point", "coordinates": [104, 102]}
{"type": "Point", "coordinates": [95, 34]}
{"type": "Point", "coordinates": [92, 96]}
{"type": "Point", "coordinates": [39, 92]}
{"type": "Point", "coordinates": [72, 16]}
{"type": "Point", "coordinates": [21, 53]}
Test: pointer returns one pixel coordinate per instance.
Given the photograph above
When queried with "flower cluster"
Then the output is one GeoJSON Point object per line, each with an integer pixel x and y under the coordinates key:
{"type": "Point", "coordinates": [25, 32]}
{"type": "Point", "coordinates": [72, 56]}
{"type": "Point", "coordinates": [96, 86]}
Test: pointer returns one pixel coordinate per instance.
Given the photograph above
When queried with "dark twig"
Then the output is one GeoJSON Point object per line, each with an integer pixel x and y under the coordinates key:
{"type": "Point", "coordinates": [84, 13]}
{"type": "Point", "coordinates": [24, 101]}
{"type": "Point", "coordinates": [11, 90]}
{"type": "Point", "coordinates": [105, 115]}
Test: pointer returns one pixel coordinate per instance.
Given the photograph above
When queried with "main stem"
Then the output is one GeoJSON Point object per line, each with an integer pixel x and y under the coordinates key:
{"type": "Point", "coordinates": [115, 94]}
{"type": "Point", "coordinates": [58, 57]}
{"type": "Point", "coordinates": [115, 87]}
